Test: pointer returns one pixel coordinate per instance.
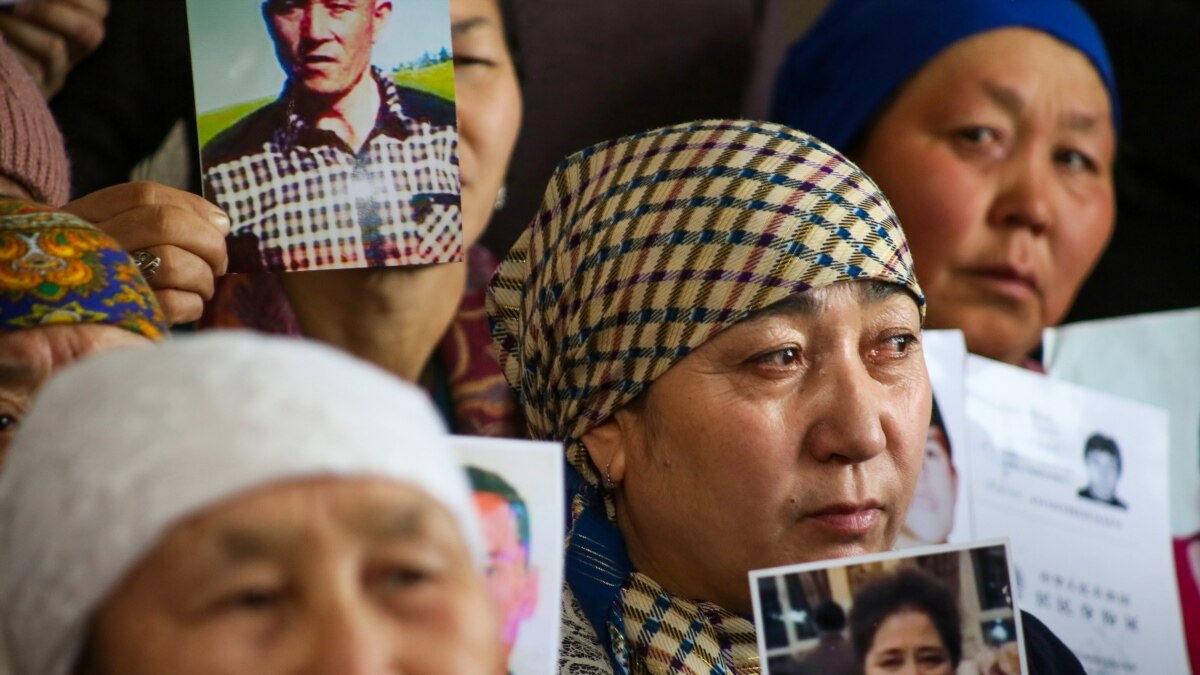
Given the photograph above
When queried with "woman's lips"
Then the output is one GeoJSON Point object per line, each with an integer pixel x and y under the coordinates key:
{"type": "Point", "coordinates": [1007, 280]}
{"type": "Point", "coordinates": [850, 519]}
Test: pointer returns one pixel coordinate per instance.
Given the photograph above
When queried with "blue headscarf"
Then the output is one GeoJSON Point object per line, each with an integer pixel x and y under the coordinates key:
{"type": "Point", "coordinates": [836, 78]}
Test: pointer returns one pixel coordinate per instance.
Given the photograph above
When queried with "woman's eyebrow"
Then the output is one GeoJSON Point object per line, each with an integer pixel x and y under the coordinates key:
{"type": "Point", "coordinates": [1006, 98]}
{"type": "Point", "coordinates": [803, 303]}
{"type": "Point", "coordinates": [404, 524]}
{"type": "Point", "coordinates": [808, 303]}
{"type": "Point", "coordinates": [1077, 121]}
{"type": "Point", "coordinates": [878, 291]}
{"type": "Point", "coordinates": [467, 25]}
{"type": "Point", "coordinates": [241, 544]}
{"type": "Point", "coordinates": [1013, 103]}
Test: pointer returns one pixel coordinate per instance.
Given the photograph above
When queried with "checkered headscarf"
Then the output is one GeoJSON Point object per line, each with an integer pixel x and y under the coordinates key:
{"type": "Point", "coordinates": [647, 246]}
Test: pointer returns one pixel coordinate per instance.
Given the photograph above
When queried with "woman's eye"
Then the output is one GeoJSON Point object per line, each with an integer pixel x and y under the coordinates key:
{"type": "Point", "coordinates": [1076, 160]}
{"type": "Point", "coordinates": [930, 660]}
{"type": "Point", "coordinates": [8, 423]}
{"type": "Point", "coordinates": [899, 345]}
{"type": "Point", "coordinates": [463, 60]}
{"type": "Point", "coordinates": [254, 599]}
{"type": "Point", "coordinates": [405, 577]}
{"type": "Point", "coordinates": [890, 663]}
{"type": "Point", "coordinates": [780, 358]}
{"type": "Point", "coordinates": [978, 135]}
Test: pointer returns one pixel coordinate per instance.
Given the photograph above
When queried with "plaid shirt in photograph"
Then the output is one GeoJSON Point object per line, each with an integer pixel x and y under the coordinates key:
{"type": "Point", "coordinates": [301, 199]}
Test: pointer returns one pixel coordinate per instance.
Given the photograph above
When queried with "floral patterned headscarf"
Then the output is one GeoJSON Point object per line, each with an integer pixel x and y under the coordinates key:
{"type": "Point", "coordinates": [58, 269]}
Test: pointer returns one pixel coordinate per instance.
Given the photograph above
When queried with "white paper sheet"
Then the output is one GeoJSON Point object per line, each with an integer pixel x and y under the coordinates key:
{"type": "Point", "coordinates": [1098, 573]}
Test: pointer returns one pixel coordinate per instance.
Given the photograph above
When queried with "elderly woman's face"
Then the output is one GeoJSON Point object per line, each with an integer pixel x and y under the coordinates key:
{"type": "Point", "coordinates": [489, 107]}
{"type": "Point", "coordinates": [794, 435]}
{"type": "Point", "coordinates": [997, 156]}
{"type": "Point", "coordinates": [330, 575]}
{"type": "Point", "coordinates": [908, 643]}
{"type": "Point", "coordinates": [28, 357]}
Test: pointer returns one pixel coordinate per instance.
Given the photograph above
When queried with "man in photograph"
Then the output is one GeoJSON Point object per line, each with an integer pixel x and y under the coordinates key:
{"type": "Point", "coordinates": [506, 530]}
{"type": "Point", "coordinates": [1103, 461]}
{"type": "Point", "coordinates": [345, 168]}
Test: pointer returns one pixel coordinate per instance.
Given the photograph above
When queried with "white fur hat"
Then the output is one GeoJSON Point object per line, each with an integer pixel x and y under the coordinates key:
{"type": "Point", "coordinates": [120, 447]}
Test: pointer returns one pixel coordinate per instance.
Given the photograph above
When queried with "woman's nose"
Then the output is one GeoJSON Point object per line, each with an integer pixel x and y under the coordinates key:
{"type": "Point", "coordinates": [1024, 196]}
{"type": "Point", "coordinates": [346, 637]}
{"type": "Point", "coordinates": [848, 407]}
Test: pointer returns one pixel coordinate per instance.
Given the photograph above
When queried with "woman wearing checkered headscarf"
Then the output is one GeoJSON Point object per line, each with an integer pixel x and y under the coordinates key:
{"type": "Point", "coordinates": [721, 322]}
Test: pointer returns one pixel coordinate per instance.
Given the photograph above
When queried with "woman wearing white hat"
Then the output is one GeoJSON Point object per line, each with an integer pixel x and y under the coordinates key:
{"type": "Point", "coordinates": [235, 504]}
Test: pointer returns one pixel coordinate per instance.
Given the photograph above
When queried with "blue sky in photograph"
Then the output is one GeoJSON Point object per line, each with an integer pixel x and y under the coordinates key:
{"type": "Point", "coordinates": [233, 59]}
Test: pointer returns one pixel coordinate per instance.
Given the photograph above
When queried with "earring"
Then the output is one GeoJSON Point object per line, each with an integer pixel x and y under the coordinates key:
{"type": "Point", "coordinates": [501, 197]}
{"type": "Point", "coordinates": [608, 481]}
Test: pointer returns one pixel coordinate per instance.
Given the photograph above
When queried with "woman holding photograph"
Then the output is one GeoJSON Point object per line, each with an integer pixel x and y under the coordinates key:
{"type": "Point", "coordinates": [991, 127]}
{"type": "Point", "coordinates": [267, 533]}
{"type": "Point", "coordinates": [425, 323]}
{"type": "Point", "coordinates": [721, 321]}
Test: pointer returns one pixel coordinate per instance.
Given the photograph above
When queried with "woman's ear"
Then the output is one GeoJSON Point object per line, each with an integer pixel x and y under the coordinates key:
{"type": "Point", "coordinates": [608, 445]}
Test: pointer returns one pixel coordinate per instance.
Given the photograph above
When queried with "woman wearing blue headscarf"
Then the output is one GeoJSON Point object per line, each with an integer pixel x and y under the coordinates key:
{"type": "Point", "coordinates": [991, 127]}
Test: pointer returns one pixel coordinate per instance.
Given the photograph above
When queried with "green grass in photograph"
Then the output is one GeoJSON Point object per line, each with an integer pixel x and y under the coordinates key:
{"type": "Point", "coordinates": [437, 79]}
{"type": "Point", "coordinates": [211, 123]}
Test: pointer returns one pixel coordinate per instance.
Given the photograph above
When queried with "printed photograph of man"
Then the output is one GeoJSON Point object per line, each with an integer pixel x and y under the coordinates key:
{"type": "Point", "coordinates": [512, 578]}
{"type": "Point", "coordinates": [345, 167]}
{"type": "Point", "coordinates": [1102, 458]}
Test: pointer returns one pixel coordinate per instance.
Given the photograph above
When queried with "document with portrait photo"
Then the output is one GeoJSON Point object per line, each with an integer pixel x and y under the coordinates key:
{"type": "Point", "coordinates": [940, 511]}
{"type": "Point", "coordinates": [941, 609]}
{"type": "Point", "coordinates": [1078, 480]}
{"type": "Point", "coordinates": [519, 496]}
{"type": "Point", "coordinates": [328, 131]}
{"type": "Point", "coordinates": [1152, 358]}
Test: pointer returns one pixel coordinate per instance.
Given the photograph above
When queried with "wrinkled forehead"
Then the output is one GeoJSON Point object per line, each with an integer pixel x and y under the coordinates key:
{"type": "Point", "coordinates": [283, 519]}
{"type": "Point", "coordinates": [1003, 61]}
{"type": "Point", "coordinates": [32, 354]}
{"type": "Point", "coordinates": [813, 302]}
